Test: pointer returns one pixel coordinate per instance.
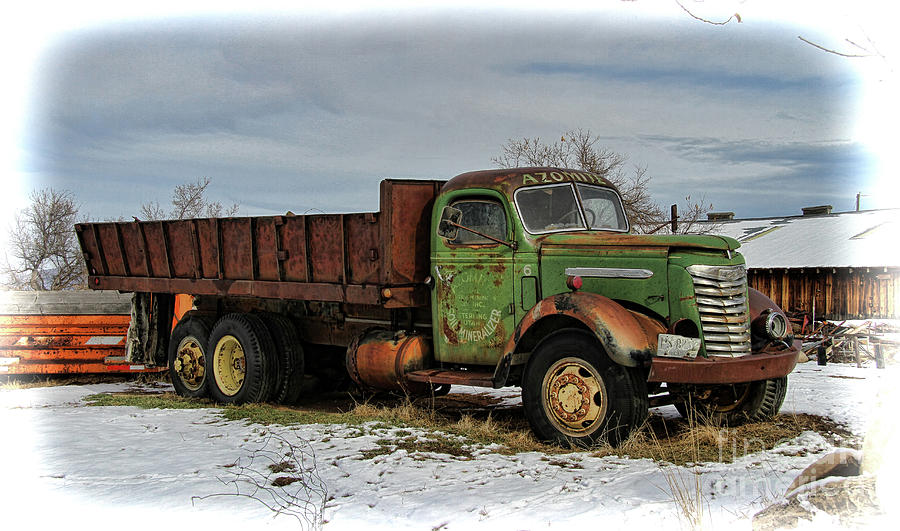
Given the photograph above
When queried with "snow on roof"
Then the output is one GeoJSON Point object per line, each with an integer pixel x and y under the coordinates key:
{"type": "Point", "coordinates": [869, 238]}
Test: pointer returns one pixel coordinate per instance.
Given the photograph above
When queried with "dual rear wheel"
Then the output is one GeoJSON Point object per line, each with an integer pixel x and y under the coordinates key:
{"type": "Point", "coordinates": [242, 358]}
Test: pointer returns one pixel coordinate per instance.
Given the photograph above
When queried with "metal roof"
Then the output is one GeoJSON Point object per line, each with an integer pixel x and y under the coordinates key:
{"type": "Point", "coordinates": [870, 238]}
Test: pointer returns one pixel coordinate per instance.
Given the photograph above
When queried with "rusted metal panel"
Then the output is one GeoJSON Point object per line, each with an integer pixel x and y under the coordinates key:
{"type": "Point", "coordinates": [135, 255]}
{"type": "Point", "coordinates": [208, 242]}
{"type": "Point", "coordinates": [237, 248]}
{"type": "Point", "coordinates": [109, 240]}
{"type": "Point", "coordinates": [316, 291]}
{"type": "Point", "coordinates": [328, 257]}
{"type": "Point", "coordinates": [179, 235]}
{"type": "Point", "coordinates": [624, 334]}
{"type": "Point", "coordinates": [721, 370]}
{"type": "Point", "coordinates": [326, 248]}
{"type": "Point", "coordinates": [267, 249]}
{"type": "Point", "coordinates": [293, 242]}
{"type": "Point", "coordinates": [407, 207]}
{"type": "Point", "coordinates": [364, 251]}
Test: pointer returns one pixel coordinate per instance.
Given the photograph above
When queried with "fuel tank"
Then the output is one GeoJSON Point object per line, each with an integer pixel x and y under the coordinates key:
{"type": "Point", "coordinates": [380, 359]}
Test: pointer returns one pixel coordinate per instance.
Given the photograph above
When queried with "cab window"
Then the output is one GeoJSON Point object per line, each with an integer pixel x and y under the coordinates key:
{"type": "Point", "coordinates": [485, 216]}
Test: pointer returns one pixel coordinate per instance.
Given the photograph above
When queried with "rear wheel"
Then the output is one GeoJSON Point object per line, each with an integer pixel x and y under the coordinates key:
{"type": "Point", "coordinates": [288, 378]}
{"type": "Point", "coordinates": [574, 394]}
{"type": "Point", "coordinates": [187, 355]}
{"type": "Point", "coordinates": [737, 403]}
{"type": "Point", "coordinates": [240, 350]}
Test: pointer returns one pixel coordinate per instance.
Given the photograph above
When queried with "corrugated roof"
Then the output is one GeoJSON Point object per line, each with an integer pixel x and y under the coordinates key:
{"type": "Point", "coordinates": [870, 238]}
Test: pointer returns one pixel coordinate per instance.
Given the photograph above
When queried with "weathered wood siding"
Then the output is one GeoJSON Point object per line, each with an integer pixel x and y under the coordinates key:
{"type": "Point", "coordinates": [840, 293]}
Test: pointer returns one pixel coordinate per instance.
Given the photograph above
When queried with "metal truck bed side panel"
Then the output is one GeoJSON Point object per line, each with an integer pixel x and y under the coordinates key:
{"type": "Point", "coordinates": [327, 257]}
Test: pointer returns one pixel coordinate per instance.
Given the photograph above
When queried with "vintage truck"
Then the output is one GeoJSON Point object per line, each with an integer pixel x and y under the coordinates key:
{"type": "Point", "coordinates": [525, 277]}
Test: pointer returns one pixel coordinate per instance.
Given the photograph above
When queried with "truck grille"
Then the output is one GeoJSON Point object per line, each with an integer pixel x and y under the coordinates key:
{"type": "Point", "coordinates": [721, 295]}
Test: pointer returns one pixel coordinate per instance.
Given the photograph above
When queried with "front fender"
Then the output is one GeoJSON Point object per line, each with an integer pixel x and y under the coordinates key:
{"type": "Point", "coordinates": [626, 336]}
{"type": "Point", "coordinates": [760, 302]}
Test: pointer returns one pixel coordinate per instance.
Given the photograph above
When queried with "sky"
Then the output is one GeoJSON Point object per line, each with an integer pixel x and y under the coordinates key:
{"type": "Point", "coordinates": [307, 109]}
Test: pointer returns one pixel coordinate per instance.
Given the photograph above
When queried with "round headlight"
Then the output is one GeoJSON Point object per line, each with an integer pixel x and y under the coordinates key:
{"type": "Point", "coordinates": [776, 326]}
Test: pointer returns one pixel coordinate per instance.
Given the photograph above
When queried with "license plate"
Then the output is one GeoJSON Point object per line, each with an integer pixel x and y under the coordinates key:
{"type": "Point", "coordinates": [673, 346]}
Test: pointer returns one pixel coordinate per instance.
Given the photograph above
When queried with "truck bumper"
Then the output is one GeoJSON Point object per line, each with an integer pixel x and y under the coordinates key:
{"type": "Point", "coordinates": [720, 370]}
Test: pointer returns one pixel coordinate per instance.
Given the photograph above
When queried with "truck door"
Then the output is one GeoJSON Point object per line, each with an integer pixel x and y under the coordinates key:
{"type": "Point", "coordinates": [472, 305]}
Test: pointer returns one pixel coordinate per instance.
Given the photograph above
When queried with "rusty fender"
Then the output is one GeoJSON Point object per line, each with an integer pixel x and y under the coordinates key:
{"type": "Point", "coordinates": [621, 332]}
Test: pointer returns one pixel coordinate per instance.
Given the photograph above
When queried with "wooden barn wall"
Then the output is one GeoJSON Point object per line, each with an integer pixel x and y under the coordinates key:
{"type": "Point", "coordinates": [841, 293]}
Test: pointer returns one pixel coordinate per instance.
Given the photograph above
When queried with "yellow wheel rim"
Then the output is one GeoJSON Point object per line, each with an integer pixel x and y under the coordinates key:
{"type": "Point", "coordinates": [229, 365]}
{"type": "Point", "coordinates": [724, 403]}
{"type": "Point", "coordinates": [574, 397]}
{"type": "Point", "coordinates": [190, 364]}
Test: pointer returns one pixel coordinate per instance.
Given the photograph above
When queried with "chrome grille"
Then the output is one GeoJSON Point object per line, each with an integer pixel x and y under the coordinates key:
{"type": "Point", "coordinates": [721, 295]}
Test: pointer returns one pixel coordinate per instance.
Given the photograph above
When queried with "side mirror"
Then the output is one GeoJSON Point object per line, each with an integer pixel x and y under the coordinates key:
{"type": "Point", "coordinates": [450, 218]}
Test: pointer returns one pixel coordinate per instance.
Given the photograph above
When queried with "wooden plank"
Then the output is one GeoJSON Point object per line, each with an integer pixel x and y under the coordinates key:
{"type": "Point", "coordinates": [64, 302]}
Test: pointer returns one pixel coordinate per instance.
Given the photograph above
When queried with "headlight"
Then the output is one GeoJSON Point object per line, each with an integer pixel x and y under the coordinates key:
{"type": "Point", "coordinates": [771, 324]}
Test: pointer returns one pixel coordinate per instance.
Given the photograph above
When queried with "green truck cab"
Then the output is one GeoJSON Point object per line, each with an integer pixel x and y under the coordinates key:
{"type": "Point", "coordinates": [526, 277]}
{"type": "Point", "coordinates": [537, 274]}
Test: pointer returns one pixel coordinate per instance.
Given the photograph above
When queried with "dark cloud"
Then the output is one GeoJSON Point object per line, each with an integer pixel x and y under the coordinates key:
{"type": "Point", "coordinates": [300, 113]}
{"type": "Point", "coordinates": [689, 76]}
{"type": "Point", "coordinates": [771, 177]}
{"type": "Point", "coordinates": [835, 158]}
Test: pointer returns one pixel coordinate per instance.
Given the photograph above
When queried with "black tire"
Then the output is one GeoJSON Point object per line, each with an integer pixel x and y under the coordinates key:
{"type": "Point", "coordinates": [613, 399]}
{"type": "Point", "coordinates": [731, 405]}
{"type": "Point", "coordinates": [187, 355]}
{"type": "Point", "coordinates": [241, 354]}
{"type": "Point", "coordinates": [288, 378]}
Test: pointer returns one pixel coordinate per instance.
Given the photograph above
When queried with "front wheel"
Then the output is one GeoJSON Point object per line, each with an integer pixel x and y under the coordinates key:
{"type": "Point", "coordinates": [574, 394]}
{"type": "Point", "coordinates": [737, 403]}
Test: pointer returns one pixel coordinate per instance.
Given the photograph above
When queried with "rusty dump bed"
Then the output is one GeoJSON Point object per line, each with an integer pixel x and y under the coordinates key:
{"type": "Point", "coordinates": [64, 332]}
{"type": "Point", "coordinates": [327, 257]}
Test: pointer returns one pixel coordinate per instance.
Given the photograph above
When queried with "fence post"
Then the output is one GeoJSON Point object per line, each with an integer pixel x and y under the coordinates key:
{"type": "Point", "coordinates": [879, 356]}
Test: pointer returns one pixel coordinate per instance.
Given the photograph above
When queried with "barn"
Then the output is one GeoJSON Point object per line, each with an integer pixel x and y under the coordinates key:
{"type": "Point", "coordinates": [843, 265]}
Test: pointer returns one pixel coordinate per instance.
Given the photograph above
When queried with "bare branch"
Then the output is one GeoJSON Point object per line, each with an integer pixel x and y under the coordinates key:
{"type": "Point", "coordinates": [152, 211]}
{"type": "Point", "coordinates": [189, 201]}
{"type": "Point", "coordinates": [842, 54]}
{"type": "Point", "coordinates": [283, 477]}
{"type": "Point", "coordinates": [581, 149]}
{"type": "Point", "coordinates": [735, 16]}
{"type": "Point", "coordinates": [43, 251]}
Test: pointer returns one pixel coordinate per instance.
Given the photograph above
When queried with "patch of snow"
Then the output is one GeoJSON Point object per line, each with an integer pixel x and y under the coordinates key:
{"type": "Point", "coordinates": [121, 467]}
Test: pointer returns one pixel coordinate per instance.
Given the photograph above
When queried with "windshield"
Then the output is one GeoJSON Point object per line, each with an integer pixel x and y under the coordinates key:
{"type": "Point", "coordinates": [557, 208]}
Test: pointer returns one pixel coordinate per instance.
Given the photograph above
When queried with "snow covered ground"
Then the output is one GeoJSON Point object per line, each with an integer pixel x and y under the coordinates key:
{"type": "Point", "coordinates": [124, 468]}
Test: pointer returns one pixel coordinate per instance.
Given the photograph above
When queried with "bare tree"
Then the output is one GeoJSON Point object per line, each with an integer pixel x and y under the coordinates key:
{"type": "Point", "coordinates": [581, 149]}
{"type": "Point", "coordinates": [43, 251]}
{"type": "Point", "coordinates": [189, 201]}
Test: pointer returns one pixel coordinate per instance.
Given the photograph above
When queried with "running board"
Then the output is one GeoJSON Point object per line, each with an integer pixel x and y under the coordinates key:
{"type": "Point", "coordinates": [440, 376]}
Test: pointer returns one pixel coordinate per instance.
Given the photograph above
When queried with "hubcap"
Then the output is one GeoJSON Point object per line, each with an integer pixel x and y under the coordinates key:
{"type": "Point", "coordinates": [229, 365]}
{"type": "Point", "coordinates": [190, 365]}
{"type": "Point", "coordinates": [574, 396]}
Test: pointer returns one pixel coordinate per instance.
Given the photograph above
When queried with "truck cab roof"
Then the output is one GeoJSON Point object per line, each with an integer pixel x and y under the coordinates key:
{"type": "Point", "coordinates": [508, 180]}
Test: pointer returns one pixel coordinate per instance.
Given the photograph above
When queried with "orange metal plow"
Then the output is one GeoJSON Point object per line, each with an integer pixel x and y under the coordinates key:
{"type": "Point", "coordinates": [64, 344]}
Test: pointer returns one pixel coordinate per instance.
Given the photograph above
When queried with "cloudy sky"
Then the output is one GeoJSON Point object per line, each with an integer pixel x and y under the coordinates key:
{"type": "Point", "coordinates": [307, 110]}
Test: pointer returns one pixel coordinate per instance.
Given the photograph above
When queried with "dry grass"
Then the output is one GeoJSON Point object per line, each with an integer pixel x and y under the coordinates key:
{"type": "Point", "coordinates": [676, 441]}
{"type": "Point", "coordinates": [683, 441]}
{"type": "Point", "coordinates": [31, 381]}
